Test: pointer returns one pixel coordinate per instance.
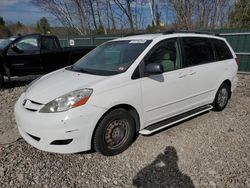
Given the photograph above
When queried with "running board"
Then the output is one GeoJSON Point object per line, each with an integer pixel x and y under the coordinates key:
{"type": "Point", "coordinates": [173, 120]}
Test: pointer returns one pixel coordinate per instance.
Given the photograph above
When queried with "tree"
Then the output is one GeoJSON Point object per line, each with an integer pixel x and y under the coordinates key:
{"type": "Point", "coordinates": [43, 26]}
{"type": "Point", "coordinates": [103, 16]}
{"type": "Point", "coordinates": [19, 24]}
{"type": "Point", "coordinates": [125, 8]}
{"type": "Point", "coordinates": [81, 15]}
{"type": "Point", "coordinates": [153, 5]}
{"type": "Point", "coordinates": [184, 12]}
{"type": "Point", "coordinates": [2, 22]}
{"type": "Point", "coordinates": [110, 16]}
{"type": "Point", "coordinates": [16, 28]}
{"type": "Point", "coordinates": [4, 31]}
{"type": "Point", "coordinates": [200, 14]}
{"type": "Point", "coordinates": [101, 23]}
{"type": "Point", "coordinates": [240, 15]}
{"type": "Point", "coordinates": [66, 13]}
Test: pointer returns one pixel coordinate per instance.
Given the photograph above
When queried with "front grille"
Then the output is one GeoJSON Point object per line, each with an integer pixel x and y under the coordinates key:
{"type": "Point", "coordinates": [35, 102]}
{"type": "Point", "coordinates": [32, 110]}
{"type": "Point", "coordinates": [31, 105]}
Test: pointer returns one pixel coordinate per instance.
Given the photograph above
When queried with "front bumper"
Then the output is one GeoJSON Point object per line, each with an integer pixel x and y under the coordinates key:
{"type": "Point", "coordinates": [64, 132]}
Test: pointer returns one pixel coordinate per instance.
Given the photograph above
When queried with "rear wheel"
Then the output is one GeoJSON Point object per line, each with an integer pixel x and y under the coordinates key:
{"type": "Point", "coordinates": [115, 133]}
{"type": "Point", "coordinates": [1, 79]}
{"type": "Point", "coordinates": [221, 98]}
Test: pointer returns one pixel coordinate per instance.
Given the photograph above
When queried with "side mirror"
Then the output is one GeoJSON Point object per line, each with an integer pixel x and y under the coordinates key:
{"type": "Point", "coordinates": [154, 68]}
{"type": "Point", "coordinates": [15, 48]}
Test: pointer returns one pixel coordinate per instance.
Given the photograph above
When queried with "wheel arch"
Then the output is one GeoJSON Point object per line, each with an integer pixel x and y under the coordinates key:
{"type": "Point", "coordinates": [223, 81]}
{"type": "Point", "coordinates": [2, 70]}
{"type": "Point", "coordinates": [132, 110]}
{"type": "Point", "coordinates": [2, 73]}
{"type": "Point", "coordinates": [229, 84]}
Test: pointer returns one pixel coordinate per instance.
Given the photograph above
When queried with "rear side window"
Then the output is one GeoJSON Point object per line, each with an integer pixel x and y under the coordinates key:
{"type": "Point", "coordinates": [197, 51]}
{"type": "Point", "coordinates": [222, 50]}
{"type": "Point", "coordinates": [49, 43]}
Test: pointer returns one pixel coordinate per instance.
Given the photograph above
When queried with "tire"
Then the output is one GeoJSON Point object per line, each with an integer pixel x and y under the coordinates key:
{"type": "Point", "coordinates": [115, 133]}
{"type": "Point", "coordinates": [221, 98]}
{"type": "Point", "coordinates": [1, 79]}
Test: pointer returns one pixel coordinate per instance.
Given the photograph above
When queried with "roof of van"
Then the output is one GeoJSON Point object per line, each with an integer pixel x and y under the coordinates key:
{"type": "Point", "coordinates": [142, 36]}
{"type": "Point", "coordinates": [168, 35]}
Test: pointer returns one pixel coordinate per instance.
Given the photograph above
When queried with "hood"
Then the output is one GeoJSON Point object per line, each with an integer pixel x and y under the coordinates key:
{"type": "Point", "coordinates": [59, 83]}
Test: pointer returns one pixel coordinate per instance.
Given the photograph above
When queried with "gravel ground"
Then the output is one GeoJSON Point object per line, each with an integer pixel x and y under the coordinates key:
{"type": "Point", "coordinates": [211, 150]}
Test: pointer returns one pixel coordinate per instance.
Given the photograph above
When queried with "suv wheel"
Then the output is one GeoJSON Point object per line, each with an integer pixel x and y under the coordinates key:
{"type": "Point", "coordinates": [115, 133]}
{"type": "Point", "coordinates": [221, 98]}
{"type": "Point", "coordinates": [1, 79]}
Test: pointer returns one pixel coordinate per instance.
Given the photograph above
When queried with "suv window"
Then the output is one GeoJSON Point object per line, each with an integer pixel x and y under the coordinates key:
{"type": "Point", "coordinates": [49, 43]}
{"type": "Point", "coordinates": [166, 53]}
{"type": "Point", "coordinates": [222, 50]}
{"type": "Point", "coordinates": [197, 50]}
{"type": "Point", "coordinates": [28, 43]}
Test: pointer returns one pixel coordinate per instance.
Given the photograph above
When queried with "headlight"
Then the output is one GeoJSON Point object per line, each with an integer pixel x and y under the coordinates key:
{"type": "Point", "coordinates": [68, 101]}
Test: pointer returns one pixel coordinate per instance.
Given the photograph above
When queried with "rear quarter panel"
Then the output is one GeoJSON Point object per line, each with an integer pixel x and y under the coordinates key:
{"type": "Point", "coordinates": [230, 69]}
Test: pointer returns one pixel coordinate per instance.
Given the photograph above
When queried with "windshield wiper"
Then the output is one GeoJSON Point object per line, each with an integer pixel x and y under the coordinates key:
{"type": "Point", "coordinates": [83, 71]}
{"type": "Point", "coordinates": [72, 68]}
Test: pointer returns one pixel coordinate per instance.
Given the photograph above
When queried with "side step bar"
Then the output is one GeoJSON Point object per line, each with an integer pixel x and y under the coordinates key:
{"type": "Point", "coordinates": [173, 120]}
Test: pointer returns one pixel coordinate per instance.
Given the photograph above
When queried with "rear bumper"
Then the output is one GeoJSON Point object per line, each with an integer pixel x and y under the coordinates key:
{"type": "Point", "coordinates": [74, 127]}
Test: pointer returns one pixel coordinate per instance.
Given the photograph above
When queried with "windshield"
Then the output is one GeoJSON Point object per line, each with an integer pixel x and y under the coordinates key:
{"type": "Point", "coordinates": [111, 58]}
{"type": "Point", "coordinates": [4, 43]}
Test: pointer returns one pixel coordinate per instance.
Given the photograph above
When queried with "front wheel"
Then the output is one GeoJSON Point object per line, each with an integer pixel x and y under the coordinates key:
{"type": "Point", "coordinates": [115, 133]}
{"type": "Point", "coordinates": [221, 98]}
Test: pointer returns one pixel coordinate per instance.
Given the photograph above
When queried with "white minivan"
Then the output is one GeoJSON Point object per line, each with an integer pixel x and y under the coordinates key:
{"type": "Point", "coordinates": [136, 84]}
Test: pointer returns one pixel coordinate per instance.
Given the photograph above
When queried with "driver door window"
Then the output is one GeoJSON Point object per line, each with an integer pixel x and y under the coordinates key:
{"type": "Point", "coordinates": [167, 54]}
{"type": "Point", "coordinates": [164, 95]}
{"type": "Point", "coordinates": [24, 56]}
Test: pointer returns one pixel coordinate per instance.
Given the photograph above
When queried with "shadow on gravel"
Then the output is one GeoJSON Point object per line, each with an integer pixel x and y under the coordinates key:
{"type": "Point", "coordinates": [163, 172]}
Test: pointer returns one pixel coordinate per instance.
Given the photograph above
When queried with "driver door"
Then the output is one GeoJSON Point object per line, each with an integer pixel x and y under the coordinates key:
{"type": "Point", "coordinates": [164, 95]}
{"type": "Point", "coordinates": [24, 56]}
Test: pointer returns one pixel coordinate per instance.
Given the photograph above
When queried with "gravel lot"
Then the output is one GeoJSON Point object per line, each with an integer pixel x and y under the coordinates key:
{"type": "Point", "coordinates": [211, 150]}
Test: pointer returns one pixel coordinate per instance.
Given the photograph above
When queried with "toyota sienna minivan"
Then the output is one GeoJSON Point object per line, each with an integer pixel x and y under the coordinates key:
{"type": "Point", "coordinates": [136, 84]}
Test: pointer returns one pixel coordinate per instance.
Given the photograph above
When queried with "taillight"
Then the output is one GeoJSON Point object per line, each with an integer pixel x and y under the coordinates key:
{"type": "Point", "coordinates": [237, 60]}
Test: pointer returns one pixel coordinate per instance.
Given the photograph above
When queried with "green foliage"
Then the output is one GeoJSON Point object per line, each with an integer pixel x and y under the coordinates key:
{"type": "Point", "coordinates": [153, 29]}
{"type": "Point", "coordinates": [43, 26]}
{"type": "Point", "coordinates": [150, 29]}
{"type": "Point", "coordinates": [2, 22]}
{"type": "Point", "coordinates": [4, 31]}
{"type": "Point", "coordinates": [240, 16]}
{"type": "Point", "coordinates": [19, 24]}
{"type": "Point", "coordinates": [100, 30]}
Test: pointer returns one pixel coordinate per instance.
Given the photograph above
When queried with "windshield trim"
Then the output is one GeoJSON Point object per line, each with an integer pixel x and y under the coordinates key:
{"type": "Point", "coordinates": [93, 71]}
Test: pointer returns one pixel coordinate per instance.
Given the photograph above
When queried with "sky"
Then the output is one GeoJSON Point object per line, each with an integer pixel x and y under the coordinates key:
{"type": "Point", "coordinates": [23, 11]}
